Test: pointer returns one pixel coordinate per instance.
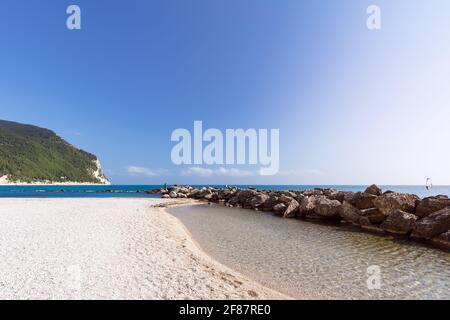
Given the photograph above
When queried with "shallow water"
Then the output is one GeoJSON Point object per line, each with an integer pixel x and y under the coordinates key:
{"type": "Point", "coordinates": [305, 259]}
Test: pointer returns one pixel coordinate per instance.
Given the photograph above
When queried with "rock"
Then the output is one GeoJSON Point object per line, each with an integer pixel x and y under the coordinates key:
{"type": "Point", "coordinates": [307, 206]}
{"type": "Point", "coordinates": [285, 199]}
{"type": "Point", "coordinates": [342, 196]}
{"type": "Point", "coordinates": [350, 213]}
{"type": "Point", "coordinates": [364, 200]}
{"type": "Point", "coordinates": [245, 196]}
{"type": "Point", "coordinates": [200, 193]}
{"type": "Point", "coordinates": [270, 203]}
{"type": "Point", "coordinates": [442, 240]}
{"type": "Point", "coordinates": [433, 225]}
{"type": "Point", "coordinates": [399, 222]}
{"type": "Point", "coordinates": [315, 192]}
{"type": "Point", "coordinates": [288, 194]}
{"type": "Point", "coordinates": [374, 215]}
{"type": "Point", "coordinates": [374, 190]}
{"type": "Point", "coordinates": [173, 194]}
{"type": "Point", "coordinates": [326, 208]}
{"type": "Point", "coordinates": [279, 208]}
{"type": "Point", "coordinates": [369, 226]}
{"type": "Point", "coordinates": [330, 193]}
{"type": "Point", "coordinates": [390, 202]}
{"type": "Point", "coordinates": [292, 209]}
{"type": "Point", "coordinates": [258, 200]}
{"type": "Point", "coordinates": [182, 195]}
{"type": "Point", "coordinates": [431, 204]}
{"type": "Point", "coordinates": [208, 196]}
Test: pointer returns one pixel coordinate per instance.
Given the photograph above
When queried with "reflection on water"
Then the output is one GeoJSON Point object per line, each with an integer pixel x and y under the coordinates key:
{"type": "Point", "coordinates": [317, 261]}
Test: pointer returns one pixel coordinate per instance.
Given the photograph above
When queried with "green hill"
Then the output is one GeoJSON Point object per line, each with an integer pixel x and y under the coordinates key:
{"type": "Point", "coordinates": [32, 154]}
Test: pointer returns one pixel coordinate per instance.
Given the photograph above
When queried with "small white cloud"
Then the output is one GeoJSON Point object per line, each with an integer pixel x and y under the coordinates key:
{"type": "Point", "coordinates": [302, 173]}
{"type": "Point", "coordinates": [205, 172]}
{"type": "Point", "coordinates": [198, 171]}
{"type": "Point", "coordinates": [142, 171]}
{"type": "Point", "coordinates": [76, 133]}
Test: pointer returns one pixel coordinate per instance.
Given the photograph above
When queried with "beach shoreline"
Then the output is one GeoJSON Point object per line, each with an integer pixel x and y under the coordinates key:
{"type": "Point", "coordinates": [307, 260]}
{"type": "Point", "coordinates": [109, 249]}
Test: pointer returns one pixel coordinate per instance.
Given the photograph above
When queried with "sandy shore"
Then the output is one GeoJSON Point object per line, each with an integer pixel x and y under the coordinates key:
{"type": "Point", "coordinates": [107, 249]}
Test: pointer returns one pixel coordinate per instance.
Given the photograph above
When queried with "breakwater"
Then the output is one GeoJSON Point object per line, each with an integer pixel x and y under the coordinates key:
{"type": "Point", "coordinates": [402, 214]}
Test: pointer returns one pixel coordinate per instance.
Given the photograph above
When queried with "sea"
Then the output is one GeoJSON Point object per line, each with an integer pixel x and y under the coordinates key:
{"type": "Point", "coordinates": [138, 191]}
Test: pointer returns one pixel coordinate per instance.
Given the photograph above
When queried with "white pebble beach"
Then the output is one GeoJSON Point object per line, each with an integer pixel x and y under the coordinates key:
{"type": "Point", "coordinates": [108, 248]}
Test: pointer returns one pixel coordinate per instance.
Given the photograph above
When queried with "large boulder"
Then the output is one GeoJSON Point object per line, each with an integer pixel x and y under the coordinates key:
{"type": "Point", "coordinates": [200, 193]}
{"type": "Point", "coordinates": [279, 209]}
{"type": "Point", "coordinates": [245, 197]}
{"type": "Point", "coordinates": [258, 201]}
{"type": "Point", "coordinates": [307, 206]}
{"type": "Point", "coordinates": [225, 194]}
{"type": "Point", "coordinates": [285, 199]}
{"type": "Point", "coordinates": [364, 200]}
{"type": "Point", "coordinates": [315, 192]}
{"type": "Point", "coordinates": [326, 208]}
{"type": "Point", "coordinates": [173, 194]}
{"type": "Point", "coordinates": [374, 215]}
{"type": "Point", "coordinates": [342, 196]}
{"type": "Point", "coordinates": [388, 203]}
{"type": "Point", "coordinates": [330, 193]}
{"type": "Point", "coordinates": [374, 190]}
{"type": "Point", "coordinates": [431, 204]}
{"type": "Point", "coordinates": [270, 203]}
{"type": "Point", "coordinates": [433, 225]}
{"type": "Point", "coordinates": [369, 226]}
{"type": "Point", "coordinates": [399, 222]}
{"type": "Point", "coordinates": [292, 209]}
{"type": "Point", "coordinates": [233, 201]}
{"type": "Point", "coordinates": [350, 213]}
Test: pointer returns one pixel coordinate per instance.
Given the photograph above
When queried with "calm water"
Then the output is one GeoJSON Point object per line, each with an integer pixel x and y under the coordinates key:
{"type": "Point", "coordinates": [75, 191]}
{"type": "Point", "coordinates": [317, 261]}
{"type": "Point", "coordinates": [131, 190]}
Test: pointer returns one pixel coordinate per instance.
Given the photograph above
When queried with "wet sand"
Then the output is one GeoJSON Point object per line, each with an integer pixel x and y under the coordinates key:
{"type": "Point", "coordinates": [107, 249]}
{"type": "Point", "coordinates": [309, 260]}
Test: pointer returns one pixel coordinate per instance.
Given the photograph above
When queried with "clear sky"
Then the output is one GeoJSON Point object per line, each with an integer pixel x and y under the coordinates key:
{"type": "Point", "coordinates": [353, 106]}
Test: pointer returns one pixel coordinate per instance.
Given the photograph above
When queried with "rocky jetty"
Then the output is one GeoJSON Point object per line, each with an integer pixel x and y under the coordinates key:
{"type": "Point", "coordinates": [373, 210]}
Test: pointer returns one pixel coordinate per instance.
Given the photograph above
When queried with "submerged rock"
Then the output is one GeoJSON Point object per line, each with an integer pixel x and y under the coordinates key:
{"type": "Point", "coordinates": [442, 241]}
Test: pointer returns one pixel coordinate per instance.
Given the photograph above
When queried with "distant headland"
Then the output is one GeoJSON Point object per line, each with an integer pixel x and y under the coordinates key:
{"type": "Point", "coordinates": [37, 156]}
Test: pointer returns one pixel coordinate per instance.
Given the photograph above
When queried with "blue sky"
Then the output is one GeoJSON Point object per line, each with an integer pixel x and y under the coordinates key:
{"type": "Point", "coordinates": [353, 106]}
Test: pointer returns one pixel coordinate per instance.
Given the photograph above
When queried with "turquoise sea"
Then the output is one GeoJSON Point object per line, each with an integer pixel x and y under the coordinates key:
{"type": "Point", "coordinates": [138, 190]}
